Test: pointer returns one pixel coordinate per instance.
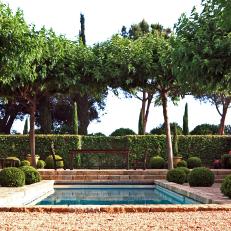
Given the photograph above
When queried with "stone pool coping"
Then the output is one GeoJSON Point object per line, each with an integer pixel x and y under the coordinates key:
{"type": "Point", "coordinates": [20, 196]}
{"type": "Point", "coordinates": [205, 195]}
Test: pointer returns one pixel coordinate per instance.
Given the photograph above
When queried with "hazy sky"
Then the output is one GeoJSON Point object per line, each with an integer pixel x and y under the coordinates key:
{"type": "Point", "coordinates": [102, 19]}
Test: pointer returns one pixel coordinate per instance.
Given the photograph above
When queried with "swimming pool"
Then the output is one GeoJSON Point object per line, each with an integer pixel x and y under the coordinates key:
{"type": "Point", "coordinates": [111, 195]}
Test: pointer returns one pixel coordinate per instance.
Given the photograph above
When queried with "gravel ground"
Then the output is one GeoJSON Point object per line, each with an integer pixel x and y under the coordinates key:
{"type": "Point", "coordinates": [116, 221]}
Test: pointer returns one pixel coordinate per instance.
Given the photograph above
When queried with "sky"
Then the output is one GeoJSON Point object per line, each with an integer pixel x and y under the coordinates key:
{"type": "Point", "coordinates": [103, 18]}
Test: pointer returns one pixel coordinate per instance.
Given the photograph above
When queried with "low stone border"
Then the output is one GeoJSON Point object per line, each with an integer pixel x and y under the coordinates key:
{"type": "Point", "coordinates": [117, 209]}
{"type": "Point", "coordinates": [19, 196]}
{"type": "Point", "coordinates": [205, 195]}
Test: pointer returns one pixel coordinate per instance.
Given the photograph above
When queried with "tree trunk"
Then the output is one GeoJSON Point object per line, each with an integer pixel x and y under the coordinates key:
{"type": "Point", "coordinates": [32, 132]}
{"type": "Point", "coordinates": [221, 130]}
{"type": "Point", "coordinates": [164, 98]}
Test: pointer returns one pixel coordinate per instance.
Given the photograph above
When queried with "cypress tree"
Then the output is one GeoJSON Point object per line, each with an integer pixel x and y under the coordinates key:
{"type": "Point", "coordinates": [185, 120]}
{"type": "Point", "coordinates": [82, 30]}
{"type": "Point", "coordinates": [175, 140]}
{"type": "Point", "coordinates": [141, 123]}
{"type": "Point", "coordinates": [75, 119]}
{"type": "Point", "coordinates": [25, 129]}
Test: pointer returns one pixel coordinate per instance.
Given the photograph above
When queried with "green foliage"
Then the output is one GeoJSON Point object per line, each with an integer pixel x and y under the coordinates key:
{"type": "Point", "coordinates": [157, 162]}
{"type": "Point", "coordinates": [50, 162]}
{"type": "Point", "coordinates": [226, 161]}
{"type": "Point", "coordinates": [123, 132]}
{"type": "Point", "coordinates": [186, 171]}
{"type": "Point", "coordinates": [15, 159]}
{"type": "Point", "coordinates": [25, 129]}
{"type": "Point", "coordinates": [208, 148]}
{"type": "Point", "coordinates": [31, 174]}
{"type": "Point", "coordinates": [194, 162]}
{"type": "Point", "coordinates": [176, 175]}
{"type": "Point", "coordinates": [175, 141]}
{"type": "Point", "coordinates": [25, 163]}
{"type": "Point", "coordinates": [41, 164]}
{"type": "Point", "coordinates": [205, 129]}
{"type": "Point", "coordinates": [185, 120]}
{"type": "Point", "coordinates": [182, 163]}
{"type": "Point", "coordinates": [12, 177]}
{"type": "Point", "coordinates": [201, 177]}
{"type": "Point", "coordinates": [226, 186]}
{"type": "Point", "coordinates": [161, 129]}
{"type": "Point", "coordinates": [75, 119]}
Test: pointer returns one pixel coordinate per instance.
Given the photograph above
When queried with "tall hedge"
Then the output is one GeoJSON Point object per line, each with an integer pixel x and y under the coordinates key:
{"type": "Point", "coordinates": [208, 147]}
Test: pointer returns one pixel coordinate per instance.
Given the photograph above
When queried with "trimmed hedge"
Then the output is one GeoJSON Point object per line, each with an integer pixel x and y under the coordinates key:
{"type": "Point", "coordinates": [176, 175]}
{"type": "Point", "coordinates": [31, 174]}
{"type": "Point", "coordinates": [207, 147]}
{"type": "Point", "coordinates": [194, 162]}
{"type": "Point", "coordinates": [226, 186]}
{"type": "Point", "coordinates": [157, 162]}
{"type": "Point", "coordinates": [201, 177]}
{"type": "Point", "coordinates": [12, 177]}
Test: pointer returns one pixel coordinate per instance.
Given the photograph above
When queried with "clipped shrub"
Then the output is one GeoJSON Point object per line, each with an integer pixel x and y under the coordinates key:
{"type": "Point", "coordinates": [12, 177]}
{"type": "Point", "coordinates": [123, 132]}
{"type": "Point", "coordinates": [226, 186]}
{"type": "Point", "coordinates": [176, 175]}
{"type": "Point", "coordinates": [194, 162]}
{"type": "Point", "coordinates": [157, 162]}
{"type": "Point", "coordinates": [31, 174]}
{"type": "Point", "coordinates": [50, 162]}
{"type": "Point", "coordinates": [186, 170]}
{"type": "Point", "coordinates": [14, 158]}
{"type": "Point", "coordinates": [201, 177]}
{"type": "Point", "coordinates": [226, 161]}
{"type": "Point", "coordinates": [25, 163]}
{"type": "Point", "coordinates": [182, 163]}
{"type": "Point", "coordinates": [41, 164]}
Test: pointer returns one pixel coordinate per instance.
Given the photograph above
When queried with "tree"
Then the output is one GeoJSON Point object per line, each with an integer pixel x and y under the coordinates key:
{"type": "Point", "coordinates": [222, 104]}
{"type": "Point", "coordinates": [202, 54]}
{"type": "Point", "coordinates": [175, 141]}
{"type": "Point", "coordinates": [75, 119]}
{"type": "Point", "coordinates": [25, 129]}
{"type": "Point", "coordinates": [160, 130]}
{"type": "Point", "coordinates": [141, 124]}
{"type": "Point", "coordinates": [185, 120]}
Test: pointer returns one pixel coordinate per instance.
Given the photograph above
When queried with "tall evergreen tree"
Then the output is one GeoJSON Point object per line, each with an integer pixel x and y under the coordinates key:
{"type": "Point", "coordinates": [185, 120]}
{"type": "Point", "coordinates": [175, 140]}
{"type": "Point", "coordinates": [75, 119]}
{"type": "Point", "coordinates": [25, 129]}
{"type": "Point", "coordinates": [82, 30]}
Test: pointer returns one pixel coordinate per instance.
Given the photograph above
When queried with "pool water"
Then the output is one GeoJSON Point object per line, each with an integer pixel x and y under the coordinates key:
{"type": "Point", "coordinates": [106, 195]}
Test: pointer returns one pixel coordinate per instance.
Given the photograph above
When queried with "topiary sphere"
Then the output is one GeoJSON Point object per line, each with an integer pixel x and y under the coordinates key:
{"type": "Point", "coordinates": [201, 177]}
{"type": "Point", "coordinates": [41, 164]}
{"type": "Point", "coordinates": [50, 162]}
{"type": "Point", "coordinates": [12, 177]}
{"type": "Point", "coordinates": [16, 160]}
{"type": "Point", "coordinates": [25, 163]}
{"type": "Point", "coordinates": [226, 186]}
{"type": "Point", "coordinates": [176, 175]}
{"type": "Point", "coordinates": [194, 162]}
{"type": "Point", "coordinates": [157, 162]}
{"type": "Point", "coordinates": [31, 174]}
{"type": "Point", "coordinates": [182, 163]}
{"type": "Point", "coordinates": [186, 171]}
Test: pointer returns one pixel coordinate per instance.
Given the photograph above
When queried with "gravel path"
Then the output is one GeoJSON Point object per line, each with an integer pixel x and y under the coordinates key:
{"type": "Point", "coordinates": [116, 221]}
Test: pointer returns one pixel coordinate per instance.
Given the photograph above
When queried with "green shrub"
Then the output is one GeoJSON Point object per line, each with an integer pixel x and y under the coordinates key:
{"type": "Point", "coordinates": [205, 129]}
{"type": "Point", "coordinates": [226, 186]}
{"type": "Point", "coordinates": [194, 162]}
{"type": "Point", "coordinates": [17, 161]}
{"type": "Point", "coordinates": [25, 163]}
{"type": "Point", "coordinates": [186, 171]}
{"type": "Point", "coordinates": [157, 162]}
{"type": "Point", "coordinates": [41, 164]}
{"type": "Point", "coordinates": [50, 162]}
{"type": "Point", "coordinates": [226, 161]}
{"type": "Point", "coordinates": [182, 163]}
{"type": "Point", "coordinates": [31, 174]}
{"type": "Point", "coordinates": [176, 175]}
{"type": "Point", "coordinates": [161, 129]}
{"type": "Point", "coordinates": [201, 177]}
{"type": "Point", "coordinates": [123, 132]}
{"type": "Point", "coordinates": [12, 177]}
